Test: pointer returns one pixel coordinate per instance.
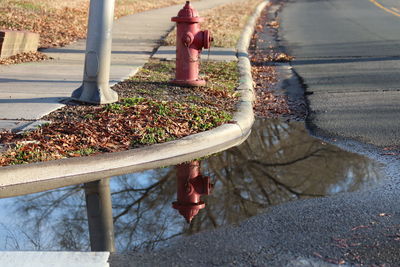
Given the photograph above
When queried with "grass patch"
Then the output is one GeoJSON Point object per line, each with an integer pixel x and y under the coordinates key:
{"type": "Point", "coordinates": [152, 82]}
{"type": "Point", "coordinates": [139, 118]}
{"type": "Point", "coordinates": [31, 6]}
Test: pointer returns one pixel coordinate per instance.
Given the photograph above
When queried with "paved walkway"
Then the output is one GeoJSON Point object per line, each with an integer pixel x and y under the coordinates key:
{"type": "Point", "coordinates": [30, 91]}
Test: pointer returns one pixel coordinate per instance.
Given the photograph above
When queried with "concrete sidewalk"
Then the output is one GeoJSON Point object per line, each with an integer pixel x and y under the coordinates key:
{"type": "Point", "coordinates": [32, 90]}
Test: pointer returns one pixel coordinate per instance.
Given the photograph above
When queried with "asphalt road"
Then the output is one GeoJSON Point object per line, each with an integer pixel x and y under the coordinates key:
{"type": "Point", "coordinates": [348, 54]}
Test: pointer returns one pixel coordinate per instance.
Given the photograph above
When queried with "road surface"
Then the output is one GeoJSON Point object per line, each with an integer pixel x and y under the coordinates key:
{"type": "Point", "coordinates": [348, 54]}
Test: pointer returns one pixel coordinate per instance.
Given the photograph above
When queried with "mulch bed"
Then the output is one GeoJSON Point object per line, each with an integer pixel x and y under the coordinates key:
{"type": "Point", "coordinates": [150, 111]}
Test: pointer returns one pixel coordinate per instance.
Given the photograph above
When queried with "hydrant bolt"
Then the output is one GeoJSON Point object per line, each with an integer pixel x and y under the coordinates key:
{"type": "Point", "coordinates": [188, 39]}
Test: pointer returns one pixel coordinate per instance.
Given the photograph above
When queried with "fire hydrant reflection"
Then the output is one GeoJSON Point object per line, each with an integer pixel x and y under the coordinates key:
{"type": "Point", "coordinates": [190, 40]}
{"type": "Point", "coordinates": [190, 186]}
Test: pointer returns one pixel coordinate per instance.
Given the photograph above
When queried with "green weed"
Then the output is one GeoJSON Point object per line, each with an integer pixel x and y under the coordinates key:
{"type": "Point", "coordinates": [21, 156]}
{"type": "Point", "coordinates": [132, 101]}
{"type": "Point", "coordinates": [114, 107]}
{"type": "Point", "coordinates": [153, 135]}
{"type": "Point", "coordinates": [89, 116]}
{"type": "Point", "coordinates": [84, 151]}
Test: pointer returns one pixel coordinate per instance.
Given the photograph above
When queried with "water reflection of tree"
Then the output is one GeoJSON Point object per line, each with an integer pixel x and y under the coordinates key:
{"type": "Point", "coordinates": [278, 163]}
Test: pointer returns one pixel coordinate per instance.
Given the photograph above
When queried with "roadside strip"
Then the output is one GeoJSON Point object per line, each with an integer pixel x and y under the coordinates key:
{"type": "Point", "coordinates": [36, 177]}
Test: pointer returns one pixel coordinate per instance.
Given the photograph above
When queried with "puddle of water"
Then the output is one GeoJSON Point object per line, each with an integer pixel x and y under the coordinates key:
{"type": "Point", "coordinates": [279, 162]}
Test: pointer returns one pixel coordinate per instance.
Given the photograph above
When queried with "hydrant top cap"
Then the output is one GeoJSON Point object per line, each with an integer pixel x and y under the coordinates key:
{"type": "Point", "coordinates": [187, 14]}
{"type": "Point", "coordinates": [188, 11]}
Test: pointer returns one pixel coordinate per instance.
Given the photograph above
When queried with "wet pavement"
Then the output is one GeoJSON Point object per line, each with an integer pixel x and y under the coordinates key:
{"type": "Point", "coordinates": [279, 162]}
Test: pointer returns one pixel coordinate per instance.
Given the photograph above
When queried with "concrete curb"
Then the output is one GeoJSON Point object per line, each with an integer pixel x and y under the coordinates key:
{"type": "Point", "coordinates": [245, 38]}
{"type": "Point", "coordinates": [36, 177]}
{"type": "Point", "coordinates": [246, 80]}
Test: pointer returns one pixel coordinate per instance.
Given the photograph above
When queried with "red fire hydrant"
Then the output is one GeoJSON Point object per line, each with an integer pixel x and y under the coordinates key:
{"type": "Point", "coordinates": [190, 186]}
{"type": "Point", "coordinates": [190, 40]}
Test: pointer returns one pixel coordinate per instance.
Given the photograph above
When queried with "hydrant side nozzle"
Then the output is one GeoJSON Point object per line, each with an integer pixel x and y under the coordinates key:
{"type": "Point", "coordinates": [207, 185]}
{"type": "Point", "coordinates": [207, 39]}
{"type": "Point", "coordinates": [202, 185]}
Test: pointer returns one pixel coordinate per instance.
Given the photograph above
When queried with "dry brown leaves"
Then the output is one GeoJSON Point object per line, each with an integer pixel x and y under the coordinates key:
{"type": "Point", "coordinates": [373, 243]}
{"type": "Point", "coordinates": [97, 129]}
{"type": "Point", "coordinates": [57, 27]}
{"type": "Point", "coordinates": [273, 24]}
{"type": "Point", "coordinates": [269, 56]}
{"type": "Point", "coordinates": [271, 101]}
{"type": "Point", "coordinates": [24, 57]}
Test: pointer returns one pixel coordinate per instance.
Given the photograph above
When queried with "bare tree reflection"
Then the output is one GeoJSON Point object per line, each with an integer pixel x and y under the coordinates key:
{"type": "Point", "coordinates": [278, 163]}
{"type": "Point", "coordinates": [53, 220]}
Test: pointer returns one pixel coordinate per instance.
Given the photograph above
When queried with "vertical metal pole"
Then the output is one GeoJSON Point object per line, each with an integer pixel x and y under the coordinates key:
{"type": "Point", "coordinates": [95, 87]}
{"type": "Point", "coordinates": [99, 211]}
